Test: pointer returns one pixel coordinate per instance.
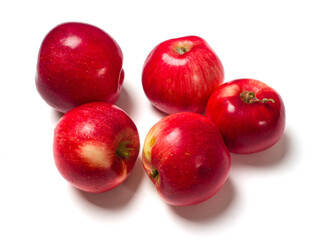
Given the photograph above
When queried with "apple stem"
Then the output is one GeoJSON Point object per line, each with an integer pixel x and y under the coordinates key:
{"type": "Point", "coordinates": [250, 97]}
{"type": "Point", "coordinates": [154, 173]}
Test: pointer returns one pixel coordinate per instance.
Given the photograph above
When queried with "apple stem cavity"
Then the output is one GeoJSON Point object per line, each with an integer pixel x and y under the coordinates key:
{"type": "Point", "coordinates": [154, 173]}
{"type": "Point", "coordinates": [181, 50]}
{"type": "Point", "coordinates": [122, 151]}
{"type": "Point", "coordinates": [250, 97]}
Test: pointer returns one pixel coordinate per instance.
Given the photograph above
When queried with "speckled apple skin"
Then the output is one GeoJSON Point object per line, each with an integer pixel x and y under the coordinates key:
{"type": "Point", "coordinates": [247, 127]}
{"type": "Point", "coordinates": [175, 82]}
{"type": "Point", "coordinates": [190, 156]}
{"type": "Point", "coordinates": [79, 63]}
{"type": "Point", "coordinates": [85, 143]}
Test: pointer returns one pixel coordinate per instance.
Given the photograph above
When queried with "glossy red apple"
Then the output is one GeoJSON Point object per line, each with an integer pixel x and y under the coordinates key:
{"type": "Point", "coordinates": [185, 157]}
{"type": "Point", "coordinates": [79, 63]}
{"type": "Point", "coordinates": [95, 146]}
{"type": "Point", "coordinates": [179, 75]}
{"type": "Point", "coordinates": [249, 114]}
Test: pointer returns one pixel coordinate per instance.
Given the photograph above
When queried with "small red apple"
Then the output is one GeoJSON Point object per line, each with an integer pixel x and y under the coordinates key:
{"type": "Point", "coordinates": [79, 63]}
{"type": "Point", "coordinates": [249, 114]}
{"type": "Point", "coordinates": [95, 146]}
{"type": "Point", "coordinates": [179, 75]}
{"type": "Point", "coordinates": [185, 157]}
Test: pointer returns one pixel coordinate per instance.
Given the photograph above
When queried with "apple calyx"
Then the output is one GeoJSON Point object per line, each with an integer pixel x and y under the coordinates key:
{"type": "Point", "coordinates": [154, 173]}
{"type": "Point", "coordinates": [122, 151]}
{"type": "Point", "coordinates": [250, 97]}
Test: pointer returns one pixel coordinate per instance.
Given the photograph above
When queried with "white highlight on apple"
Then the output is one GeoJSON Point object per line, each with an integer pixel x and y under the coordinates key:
{"type": "Point", "coordinates": [71, 41]}
{"type": "Point", "coordinates": [173, 61]}
{"type": "Point", "coordinates": [102, 71]}
{"type": "Point", "coordinates": [231, 107]}
{"type": "Point", "coordinates": [174, 136]}
{"type": "Point", "coordinates": [262, 123]}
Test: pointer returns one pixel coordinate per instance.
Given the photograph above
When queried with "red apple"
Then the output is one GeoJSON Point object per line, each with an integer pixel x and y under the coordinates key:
{"type": "Point", "coordinates": [95, 146]}
{"type": "Point", "coordinates": [185, 157]}
{"type": "Point", "coordinates": [179, 75]}
{"type": "Point", "coordinates": [79, 63]}
{"type": "Point", "coordinates": [249, 114]}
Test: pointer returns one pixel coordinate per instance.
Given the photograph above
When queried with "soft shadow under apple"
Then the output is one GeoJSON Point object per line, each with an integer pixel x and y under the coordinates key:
{"type": "Point", "coordinates": [56, 115]}
{"type": "Point", "coordinates": [211, 209]}
{"type": "Point", "coordinates": [157, 112]}
{"type": "Point", "coordinates": [119, 196]}
{"type": "Point", "coordinates": [268, 158]}
{"type": "Point", "coordinates": [125, 102]}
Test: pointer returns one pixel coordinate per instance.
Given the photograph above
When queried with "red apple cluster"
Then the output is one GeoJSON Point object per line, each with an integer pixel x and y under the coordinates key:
{"type": "Point", "coordinates": [185, 154]}
{"type": "Point", "coordinates": [80, 73]}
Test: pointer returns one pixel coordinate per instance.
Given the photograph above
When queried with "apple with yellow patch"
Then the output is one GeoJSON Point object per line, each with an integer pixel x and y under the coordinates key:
{"type": "Point", "coordinates": [186, 158]}
{"type": "Point", "coordinates": [95, 146]}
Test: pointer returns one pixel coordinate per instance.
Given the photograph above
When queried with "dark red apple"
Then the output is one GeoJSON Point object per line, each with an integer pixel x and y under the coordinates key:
{"type": "Point", "coordinates": [249, 114]}
{"type": "Point", "coordinates": [95, 146]}
{"type": "Point", "coordinates": [179, 75]}
{"type": "Point", "coordinates": [185, 157]}
{"type": "Point", "coordinates": [79, 63]}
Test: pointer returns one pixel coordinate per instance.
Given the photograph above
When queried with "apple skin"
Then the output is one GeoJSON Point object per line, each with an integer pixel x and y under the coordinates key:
{"type": "Point", "coordinates": [247, 127]}
{"type": "Point", "coordinates": [179, 75]}
{"type": "Point", "coordinates": [185, 157]}
{"type": "Point", "coordinates": [79, 63]}
{"type": "Point", "coordinates": [95, 146]}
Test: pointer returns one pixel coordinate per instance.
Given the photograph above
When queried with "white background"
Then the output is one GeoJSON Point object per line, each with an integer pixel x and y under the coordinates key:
{"type": "Point", "coordinates": [269, 195]}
